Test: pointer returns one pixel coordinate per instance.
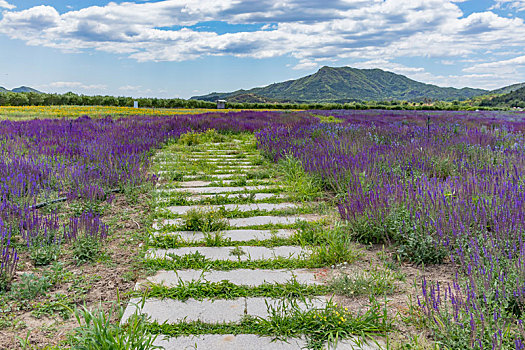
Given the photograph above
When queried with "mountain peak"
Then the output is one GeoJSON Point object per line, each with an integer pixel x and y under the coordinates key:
{"type": "Point", "coordinates": [345, 84]}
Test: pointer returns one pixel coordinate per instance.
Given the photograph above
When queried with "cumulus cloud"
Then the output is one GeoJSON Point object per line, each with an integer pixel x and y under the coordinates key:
{"type": "Point", "coordinates": [312, 31]}
{"type": "Point", "coordinates": [518, 5]}
{"type": "Point", "coordinates": [5, 5]}
{"type": "Point", "coordinates": [76, 85]}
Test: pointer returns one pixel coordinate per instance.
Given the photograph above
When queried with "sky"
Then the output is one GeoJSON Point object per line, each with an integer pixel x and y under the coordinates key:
{"type": "Point", "coordinates": [182, 48]}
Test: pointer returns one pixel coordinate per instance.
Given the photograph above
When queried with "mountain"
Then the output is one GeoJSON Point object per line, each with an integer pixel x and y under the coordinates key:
{"type": "Point", "coordinates": [20, 89]}
{"type": "Point", "coordinates": [25, 89]}
{"type": "Point", "coordinates": [508, 89]}
{"type": "Point", "coordinates": [515, 98]}
{"type": "Point", "coordinates": [346, 84]}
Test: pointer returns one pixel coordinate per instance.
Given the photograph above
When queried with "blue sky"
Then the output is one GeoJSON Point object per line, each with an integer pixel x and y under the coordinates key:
{"type": "Point", "coordinates": [181, 48]}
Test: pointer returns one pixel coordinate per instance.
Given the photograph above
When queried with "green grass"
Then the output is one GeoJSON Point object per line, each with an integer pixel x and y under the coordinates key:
{"type": "Point", "coordinates": [227, 290]}
{"type": "Point", "coordinates": [96, 331]}
{"type": "Point", "coordinates": [215, 239]}
{"type": "Point", "coordinates": [237, 213]}
{"type": "Point", "coordinates": [374, 281]}
{"type": "Point", "coordinates": [287, 320]}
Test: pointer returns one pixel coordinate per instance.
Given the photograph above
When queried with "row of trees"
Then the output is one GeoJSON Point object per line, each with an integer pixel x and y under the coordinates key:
{"type": "Point", "coordinates": [42, 99]}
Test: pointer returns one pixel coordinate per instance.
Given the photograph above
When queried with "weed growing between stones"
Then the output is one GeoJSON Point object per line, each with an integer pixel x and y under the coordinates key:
{"type": "Point", "coordinates": [204, 221]}
{"type": "Point", "coordinates": [226, 290]}
{"type": "Point", "coordinates": [329, 324]}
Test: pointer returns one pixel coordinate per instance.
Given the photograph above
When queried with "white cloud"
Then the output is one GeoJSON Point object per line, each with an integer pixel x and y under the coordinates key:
{"type": "Point", "coordinates": [518, 5]}
{"type": "Point", "coordinates": [76, 85]}
{"type": "Point", "coordinates": [4, 4]}
{"type": "Point", "coordinates": [312, 31]}
{"type": "Point", "coordinates": [305, 64]}
{"type": "Point", "coordinates": [509, 63]}
{"type": "Point", "coordinates": [130, 88]}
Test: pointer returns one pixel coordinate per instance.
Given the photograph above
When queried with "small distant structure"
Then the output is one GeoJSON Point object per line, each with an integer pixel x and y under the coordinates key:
{"type": "Point", "coordinates": [221, 104]}
{"type": "Point", "coordinates": [135, 104]}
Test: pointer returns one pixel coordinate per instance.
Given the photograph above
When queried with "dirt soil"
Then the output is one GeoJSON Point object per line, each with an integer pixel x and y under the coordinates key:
{"type": "Point", "coordinates": [91, 284]}
{"type": "Point", "coordinates": [402, 305]}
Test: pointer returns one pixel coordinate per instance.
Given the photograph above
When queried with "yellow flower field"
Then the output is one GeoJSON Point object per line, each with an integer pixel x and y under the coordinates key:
{"type": "Point", "coordinates": [31, 112]}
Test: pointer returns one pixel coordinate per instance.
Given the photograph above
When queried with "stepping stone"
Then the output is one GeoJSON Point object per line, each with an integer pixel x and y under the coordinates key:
{"type": "Point", "coordinates": [226, 253]}
{"type": "Point", "coordinates": [193, 183]}
{"type": "Point", "coordinates": [211, 190]}
{"type": "Point", "coordinates": [206, 183]}
{"type": "Point", "coordinates": [255, 196]}
{"type": "Point", "coordinates": [243, 222]}
{"type": "Point", "coordinates": [182, 209]}
{"type": "Point", "coordinates": [251, 341]}
{"type": "Point", "coordinates": [217, 176]}
{"type": "Point", "coordinates": [233, 235]}
{"type": "Point", "coordinates": [266, 220]}
{"type": "Point", "coordinates": [210, 311]}
{"type": "Point", "coordinates": [241, 161]}
{"type": "Point", "coordinates": [242, 277]}
{"type": "Point", "coordinates": [237, 166]}
{"type": "Point", "coordinates": [206, 156]}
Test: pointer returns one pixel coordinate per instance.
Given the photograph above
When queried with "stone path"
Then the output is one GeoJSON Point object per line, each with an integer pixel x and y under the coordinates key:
{"type": "Point", "coordinates": [234, 310]}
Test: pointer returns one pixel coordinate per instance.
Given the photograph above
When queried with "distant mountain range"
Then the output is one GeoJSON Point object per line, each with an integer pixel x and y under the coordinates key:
{"type": "Point", "coordinates": [20, 89]}
{"type": "Point", "coordinates": [346, 84]}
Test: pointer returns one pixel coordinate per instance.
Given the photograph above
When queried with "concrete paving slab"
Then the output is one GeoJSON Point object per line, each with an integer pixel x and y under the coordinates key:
{"type": "Point", "coordinates": [215, 176]}
{"type": "Point", "coordinates": [238, 166]}
{"type": "Point", "coordinates": [251, 221]}
{"type": "Point", "coordinates": [173, 311]}
{"type": "Point", "coordinates": [211, 311]}
{"type": "Point", "coordinates": [241, 161]}
{"type": "Point", "coordinates": [251, 341]}
{"type": "Point", "coordinates": [193, 183]}
{"type": "Point", "coordinates": [228, 253]}
{"type": "Point", "coordinates": [233, 235]}
{"type": "Point", "coordinates": [241, 277]}
{"type": "Point", "coordinates": [225, 189]}
{"type": "Point", "coordinates": [265, 220]}
{"type": "Point", "coordinates": [254, 196]}
{"type": "Point", "coordinates": [230, 207]}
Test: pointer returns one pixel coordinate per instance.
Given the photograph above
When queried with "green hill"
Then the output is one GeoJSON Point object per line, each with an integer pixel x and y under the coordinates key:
{"type": "Point", "coordinates": [508, 89]}
{"type": "Point", "coordinates": [26, 89]}
{"type": "Point", "coordinates": [346, 84]}
{"type": "Point", "coordinates": [3, 89]}
{"type": "Point", "coordinates": [515, 98]}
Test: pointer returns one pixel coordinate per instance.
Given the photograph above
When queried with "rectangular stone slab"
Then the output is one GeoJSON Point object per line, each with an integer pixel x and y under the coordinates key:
{"type": "Point", "coordinates": [233, 235]}
{"type": "Point", "coordinates": [215, 176]}
{"type": "Point", "coordinates": [256, 196]}
{"type": "Point", "coordinates": [265, 220]}
{"type": "Point", "coordinates": [252, 342]}
{"type": "Point", "coordinates": [227, 253]}
{"type": "Point", "coordinates": [244, 222]}
{"type": "Point", "coordinates": [210, 311]}
{"type": "Point", "coordinates": [237, 166]}
{"type": "Point", "coordinates": [242, 277]}
{"type": "Point", "coordinates": [212, 190]}
{"type": "Point", "coordinates": [182, 209]}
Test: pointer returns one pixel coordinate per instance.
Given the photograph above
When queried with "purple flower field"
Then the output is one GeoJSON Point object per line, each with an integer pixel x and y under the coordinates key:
{"type": "Point", "coordinates": [437, 187]}
{"type": "Point", "coordinates": [87, 159]}
{"type": "Point", "coordinates": [450, 191]}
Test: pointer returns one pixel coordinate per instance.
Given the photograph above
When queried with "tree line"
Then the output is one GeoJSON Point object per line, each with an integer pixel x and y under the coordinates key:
{"type": "Point", "coordinates": [72, 99]}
